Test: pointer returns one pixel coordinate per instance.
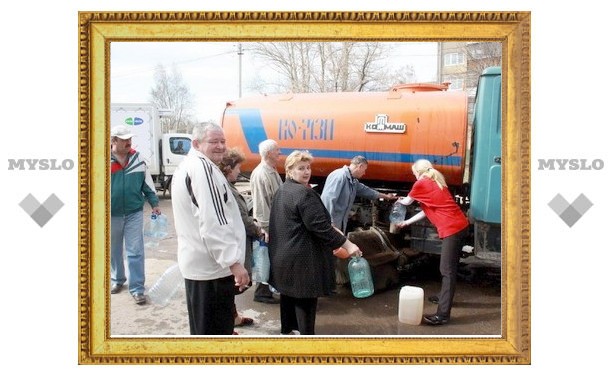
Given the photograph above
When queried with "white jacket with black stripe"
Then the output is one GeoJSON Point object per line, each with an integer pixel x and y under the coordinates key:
{"type": "Point", "coordinates": [210, 233]}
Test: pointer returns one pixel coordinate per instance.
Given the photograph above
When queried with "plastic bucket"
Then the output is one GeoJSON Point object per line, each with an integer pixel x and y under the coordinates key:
{"type": "Point", "coordinates": [410, 309]}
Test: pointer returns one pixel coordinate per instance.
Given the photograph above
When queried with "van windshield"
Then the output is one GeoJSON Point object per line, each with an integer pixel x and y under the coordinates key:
{"type": "Point", "coordinates": [180, 145]}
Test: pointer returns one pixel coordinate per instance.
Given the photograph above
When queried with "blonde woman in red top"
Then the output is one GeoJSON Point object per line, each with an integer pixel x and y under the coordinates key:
{"type": "Point", "coordinates": [438, 205]}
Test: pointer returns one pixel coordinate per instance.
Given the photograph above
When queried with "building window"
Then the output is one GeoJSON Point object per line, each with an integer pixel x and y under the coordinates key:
{"type": "Point", "coordinates": [453, 59]}
{"type": "Point", "coordinates": [456, 83]}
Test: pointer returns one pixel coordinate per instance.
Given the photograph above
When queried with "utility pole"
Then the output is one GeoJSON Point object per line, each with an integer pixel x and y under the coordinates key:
{"type": "Point", "coordinates": [240, 70]}
{"type": "Point", "coordinates": [440, 63]}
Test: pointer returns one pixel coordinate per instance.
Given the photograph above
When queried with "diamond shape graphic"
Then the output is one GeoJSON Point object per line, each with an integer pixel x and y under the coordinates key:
{"type": "Point", "coordinates": [29, 204]}
{"type": "Point", "coordinates": [558, 204]}
{"type": "Point", "coordinates": [41, 216]}
{"type": "Point", "coordinates": [582, 204]}
{"type": "Point", "coordinates": [570, 213]}
{"type": "Point", "coordinates": [570, 216]}
{"type": "Point", "coordinates": [53, 204]}
{"type": "Point", "coordinates": [41, 213]}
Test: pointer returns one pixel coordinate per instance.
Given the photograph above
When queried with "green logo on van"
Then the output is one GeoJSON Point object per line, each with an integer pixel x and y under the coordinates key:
{"type": "Point", "coordinates": [133, 121]}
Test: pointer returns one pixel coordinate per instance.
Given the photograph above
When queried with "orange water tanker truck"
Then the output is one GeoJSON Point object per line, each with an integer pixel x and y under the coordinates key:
{"type": "Point", "coordinates": [392, 129]}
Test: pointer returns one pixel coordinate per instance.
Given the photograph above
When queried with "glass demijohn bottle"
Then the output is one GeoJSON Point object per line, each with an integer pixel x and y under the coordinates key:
{"type": "Point", "coordinates": [360, 277]}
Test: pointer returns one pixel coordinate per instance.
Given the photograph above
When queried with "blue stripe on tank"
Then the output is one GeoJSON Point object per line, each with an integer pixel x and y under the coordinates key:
{"type": "Point", "coordinates": [254, 133]}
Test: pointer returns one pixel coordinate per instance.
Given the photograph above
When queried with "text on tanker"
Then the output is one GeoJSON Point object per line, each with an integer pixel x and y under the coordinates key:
{"type": "Point", "coordinates": [306, 129]}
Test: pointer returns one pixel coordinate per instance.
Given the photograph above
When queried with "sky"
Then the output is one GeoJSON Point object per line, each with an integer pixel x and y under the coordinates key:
{"type": "Point", "coordinates": [211, 70]}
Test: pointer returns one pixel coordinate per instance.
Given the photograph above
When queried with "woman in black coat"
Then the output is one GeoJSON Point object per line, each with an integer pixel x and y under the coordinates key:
{"type": "Point", "coordinates": [301, 243]}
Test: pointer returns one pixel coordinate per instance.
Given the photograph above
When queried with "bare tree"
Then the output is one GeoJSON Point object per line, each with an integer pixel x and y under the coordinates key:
{"type": "Point", "coordinates": [170, 92]}
{"type": "Point", "coordinates": [326, 66]}
{"type": "Point", "coordinates": [369, 67]}
{"type": "Point", "coordinates": [288, 59]}
{"type": "Point", "coordinates": [403, 75]}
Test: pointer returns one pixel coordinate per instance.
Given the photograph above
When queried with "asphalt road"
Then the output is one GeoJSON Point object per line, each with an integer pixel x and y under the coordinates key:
{"type": "Point", "coordinates": [476, 310]}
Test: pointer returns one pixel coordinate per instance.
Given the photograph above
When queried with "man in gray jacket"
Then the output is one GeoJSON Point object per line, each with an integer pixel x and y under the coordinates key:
{"type": "Point", "coordinates": [265, 181]}
{"type": "Point", "coordinates": [341, 188]}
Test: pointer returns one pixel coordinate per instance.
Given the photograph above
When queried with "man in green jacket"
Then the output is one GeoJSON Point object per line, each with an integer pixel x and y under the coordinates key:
{"type": "Point", "coordinates": [131, 183]}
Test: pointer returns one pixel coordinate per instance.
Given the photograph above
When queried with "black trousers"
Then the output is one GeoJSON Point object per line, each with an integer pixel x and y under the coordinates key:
{"type": "Point", "coordinates": [449, 264]}
{"type": "Point", "coordinates": [210, 305]}
{"type": "Point", "coordinates": [298, 313]}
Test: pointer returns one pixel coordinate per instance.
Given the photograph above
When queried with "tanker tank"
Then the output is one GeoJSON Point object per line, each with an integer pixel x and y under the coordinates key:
{"type": "Point", "coordinates": [391, 129]}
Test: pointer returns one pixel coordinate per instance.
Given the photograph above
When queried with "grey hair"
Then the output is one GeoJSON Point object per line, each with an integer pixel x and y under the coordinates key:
{"type": "Point", "coordinates": [200, 131]}
{"type": "Point", "coordinates": [359, 160]}
{"type": "Point", "coordinates": [267, 146]}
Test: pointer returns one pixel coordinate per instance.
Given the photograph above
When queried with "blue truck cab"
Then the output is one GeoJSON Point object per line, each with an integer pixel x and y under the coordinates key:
{"type": "Point", "coordinates": [485, 209]}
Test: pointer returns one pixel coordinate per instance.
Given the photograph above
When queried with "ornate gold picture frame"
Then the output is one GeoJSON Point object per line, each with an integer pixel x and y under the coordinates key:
{"type": "Point", "coordinates": [98, 29]}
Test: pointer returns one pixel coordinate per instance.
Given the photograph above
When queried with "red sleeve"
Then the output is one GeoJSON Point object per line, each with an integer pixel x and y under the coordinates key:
{"type": "Point", "coordinates": [421, 191]}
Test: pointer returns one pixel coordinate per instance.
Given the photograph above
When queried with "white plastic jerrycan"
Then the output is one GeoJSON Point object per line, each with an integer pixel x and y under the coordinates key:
{"type": "Point", "coordinates": [410, 309]}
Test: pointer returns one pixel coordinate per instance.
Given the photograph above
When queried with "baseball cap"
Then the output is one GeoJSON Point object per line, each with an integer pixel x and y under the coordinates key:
{"type": "Point", "coordinates": [121, 132]}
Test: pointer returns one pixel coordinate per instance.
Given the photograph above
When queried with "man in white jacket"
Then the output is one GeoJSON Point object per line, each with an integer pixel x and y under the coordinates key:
{"type": "Point", "coordinates": [210, 234]}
